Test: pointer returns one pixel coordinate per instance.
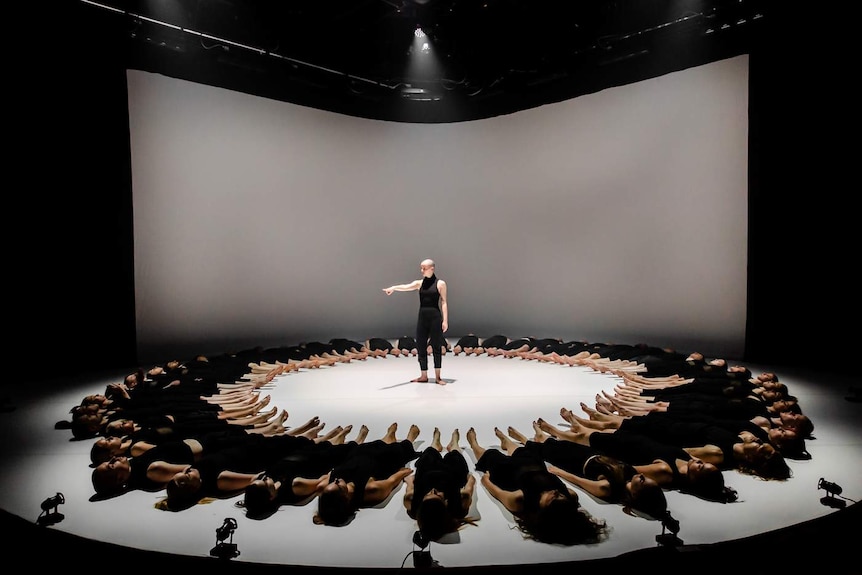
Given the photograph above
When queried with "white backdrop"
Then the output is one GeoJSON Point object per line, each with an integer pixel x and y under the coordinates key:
{"type": "Point", "coordinates": [620, 216]}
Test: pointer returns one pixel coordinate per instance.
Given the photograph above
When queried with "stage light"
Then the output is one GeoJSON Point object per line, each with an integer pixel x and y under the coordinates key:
{"type": "Point", "coordinates": [57, 500]}
{"type": "Point", "coordinates": [832, 489]}
{"type": "Point", "coordinates": [829, 487]}
{"type": "Point", "coordinates": [50, 515]}
{"type": "Point", "coordinates": [222, 549]}
{"type": "Point", "coordinates": [669, 529]}
{"type": "Point", "coordinates": [421, 558]}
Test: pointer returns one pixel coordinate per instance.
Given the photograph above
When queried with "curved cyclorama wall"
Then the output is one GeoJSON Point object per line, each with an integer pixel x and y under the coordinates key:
{"type": "Point", "coordinates": [619, 216]}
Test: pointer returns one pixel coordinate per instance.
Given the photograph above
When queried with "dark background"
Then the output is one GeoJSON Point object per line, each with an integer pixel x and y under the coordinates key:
{"type": "Point", "coordinates": [70, 208]}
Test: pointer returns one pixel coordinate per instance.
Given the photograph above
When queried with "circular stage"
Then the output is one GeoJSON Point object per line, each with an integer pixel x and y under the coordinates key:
{"type": "Point", "coordinates": [483, 392]}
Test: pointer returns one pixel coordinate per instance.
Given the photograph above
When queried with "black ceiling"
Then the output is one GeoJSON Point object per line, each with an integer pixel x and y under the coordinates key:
{"type": "Point", "coordinates": [493, 56]}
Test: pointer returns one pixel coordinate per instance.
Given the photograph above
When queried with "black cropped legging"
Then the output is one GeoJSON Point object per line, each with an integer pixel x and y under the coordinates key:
{"type": "Point", "coordinates": [429, 328]}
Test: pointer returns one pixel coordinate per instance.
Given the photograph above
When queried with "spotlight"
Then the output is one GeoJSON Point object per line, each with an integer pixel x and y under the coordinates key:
{"type": "Point", "coordinates": [422, 559]}
{"type": "Point", "coordinates": [224, 532]}
{"type": "Point", "coordinates": [669, 529]}
{"type": "Point", "coordinates": [828, 486]}
{"type": "Point", "coordinates": [50, 515]}
{"type": "Point", "coordinates": [832, 489]}
{"type": "Point", "coordinates": [57, 500]}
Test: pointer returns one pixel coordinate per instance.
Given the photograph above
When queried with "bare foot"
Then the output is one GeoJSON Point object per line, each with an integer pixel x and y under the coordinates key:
{"type": "Point", "coordinates": [539, 436]}
{"type": "Point", "coordinates": [288, 367]}
{"type": "Point", "coordinates": [419, 380]}
{"type": "Point", "coordinates": [282, 417]}
{"type": "Point", "coordinates": [516, 435]}
{"type": "Point", "coordinates": [363, 433]}
{"type": "Point", "coordinates": [435, 441]}
{"type": "Point", "coordinates": [500, 435]}
{"type": "Point", "coordinates": [441, 381]}
{"type": "Point", "coordinates": [604, 409]}
{"type": "Point", "coordinates": [312, 433]}
{"type": "Point", "coordinates": [313, 422]}
{"type": "Point", "coordinates": [587, 409]}
{"type": "Point", "coordinates": [566, 414]}
{"type": "Point", "coordinates": [546, 427]}
{"type": "Point", "coordinates": [344, 431]}
{"type": "Point", "coordinates": [506, 444]}
{"type": "Point", "coordinates": [453, 443]}
{"type": "Point", "coordinates": [413, 432]}
{"type": "Point", "coordinates": [390, 433]}
{"type": "Point", "coordinates": [471, 437]}
{"type": "Point", "coordinates": [338, 438]}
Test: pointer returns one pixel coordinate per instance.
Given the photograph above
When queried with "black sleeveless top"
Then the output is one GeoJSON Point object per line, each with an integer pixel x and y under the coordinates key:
{"type": "Point", "coordinates": [429, 296]}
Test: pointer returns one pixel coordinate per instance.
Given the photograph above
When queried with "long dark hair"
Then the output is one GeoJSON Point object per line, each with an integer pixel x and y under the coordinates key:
{"type": "Point", "coordinates": [710, 486]}
{"type": "Point", "coordinates": [562, 522]}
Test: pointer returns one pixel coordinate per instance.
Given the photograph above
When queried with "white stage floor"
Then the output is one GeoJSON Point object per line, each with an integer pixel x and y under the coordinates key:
{"type": "Point", "coordinates": [483, 392]}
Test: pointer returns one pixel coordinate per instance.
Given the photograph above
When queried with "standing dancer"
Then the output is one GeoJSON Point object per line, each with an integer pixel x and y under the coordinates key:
{"type": "Point", "coordinates": [433, 318]}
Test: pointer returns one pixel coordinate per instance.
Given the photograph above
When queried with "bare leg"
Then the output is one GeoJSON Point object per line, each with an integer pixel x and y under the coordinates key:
{"type": "Point", "coordinates": [254, 419]}
{"type": "Point", "coordinates": [594, 424]}
{"type": "Point", "coordinates": [232, 398]}
{"type": "Point", "coordinates": [608, 417]}
{"type": "Point", "coordinates": [244, 411]}
{"type": "Point", "coordinates": [271, 428]}
{"type": "Point", "coordinates": [440, 380]}
{"type": "Point", "coordinates": [233, 387]}
{"type": "Point", "coordinates": [478, 450]}
{"type": "Point", "coordinates": [423, 378]}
